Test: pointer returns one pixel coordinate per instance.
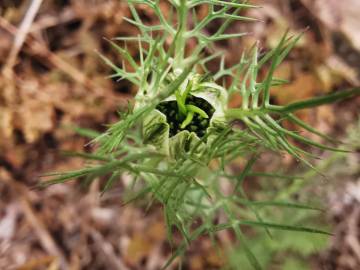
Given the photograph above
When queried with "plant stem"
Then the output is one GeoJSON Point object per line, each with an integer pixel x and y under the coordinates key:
{"type": "Point", "coordinates": [180, 41]}
{"type": "Point", "coordinates": [238, 113]}
{"type": "Point", "coordinates": [318, 101]}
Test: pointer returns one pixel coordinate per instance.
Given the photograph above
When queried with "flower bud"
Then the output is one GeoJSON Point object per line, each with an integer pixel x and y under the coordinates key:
{"type": "Point", "coordinates": [172, 132]}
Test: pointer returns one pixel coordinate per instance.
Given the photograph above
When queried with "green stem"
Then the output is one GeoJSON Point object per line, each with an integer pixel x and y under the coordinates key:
{"type": "Point", "coordinates": [181, 39]}
{"type": "Point", "coordinates": [238, 113]}
{"type": "Point", "coordinates": [317, 101]}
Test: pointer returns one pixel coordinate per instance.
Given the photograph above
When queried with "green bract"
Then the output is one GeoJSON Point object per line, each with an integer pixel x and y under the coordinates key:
{"type": "Point", "coordinates": [173, 133]}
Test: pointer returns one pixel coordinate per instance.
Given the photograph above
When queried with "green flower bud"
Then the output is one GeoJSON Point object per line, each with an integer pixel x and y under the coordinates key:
{"type": "Point", "coordinates": [174, 131]}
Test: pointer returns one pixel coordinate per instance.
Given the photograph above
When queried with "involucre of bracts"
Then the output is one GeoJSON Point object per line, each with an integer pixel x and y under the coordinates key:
{"type": "Point", "coordinates": [164, 127]}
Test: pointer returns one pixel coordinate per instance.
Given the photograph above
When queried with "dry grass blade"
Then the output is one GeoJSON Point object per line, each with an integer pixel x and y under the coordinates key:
{"type": "Point", "coordinates": [21, 35]}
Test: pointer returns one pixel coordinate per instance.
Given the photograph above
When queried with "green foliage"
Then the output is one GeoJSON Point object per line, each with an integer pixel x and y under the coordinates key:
{"type": "Point", "coordinates": [283, 250]}
{"type": "Point", "coordinates": [286, 250]}
{"type": "Point", "coordinates": [185, 172]}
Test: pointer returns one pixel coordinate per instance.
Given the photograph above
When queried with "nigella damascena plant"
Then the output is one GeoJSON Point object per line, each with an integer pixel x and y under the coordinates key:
{"type": "Point", "coordinates": [183, 155]}
{"type": "Point", "coordinates": [189, 118]}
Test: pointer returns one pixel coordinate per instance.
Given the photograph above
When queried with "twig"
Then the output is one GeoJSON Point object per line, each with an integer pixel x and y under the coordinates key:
{"type": "Point", "coordinates": [21, 35]}
{"type": "Point", "coordinates": [40, 229]}
{"type": "Point", "coordinates": [43, 234]}
{"type": "Point", "coordinates": [40, 49]}
{"type": "Point", "coordinates": [108, 251]}
{"type": "Point", "coordinates": [47, 21]}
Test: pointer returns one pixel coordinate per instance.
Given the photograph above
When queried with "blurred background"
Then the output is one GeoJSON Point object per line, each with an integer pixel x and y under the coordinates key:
{"type": "Point", "coordinates": [52, 80]}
